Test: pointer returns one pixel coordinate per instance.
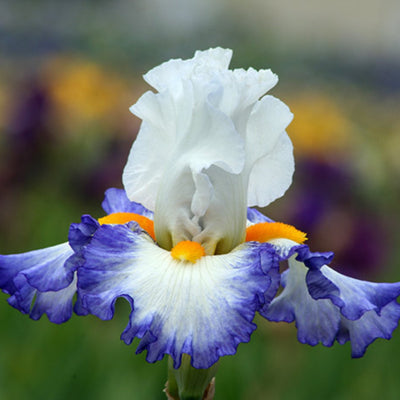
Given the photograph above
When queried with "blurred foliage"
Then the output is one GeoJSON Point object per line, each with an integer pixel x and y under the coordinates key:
{"type": "Point", "coordinates": [65, 134]}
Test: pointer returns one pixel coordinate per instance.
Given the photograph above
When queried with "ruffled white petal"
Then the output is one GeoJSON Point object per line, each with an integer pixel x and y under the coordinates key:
{"type": "Point", "coordinates": [151, 150]}
{"type": "Point", "coordinates": [170, 74]}
{"type": "Point", "coordinates": [239, 90]}
{"type": "Point", "coordinates": [207, 140]}
{"type": "Point", "coordinates": [271, 175]}
{"type": "Point", "coordinates": [172, 137]}
{"type": "Point", "coordinates": [268, 120]}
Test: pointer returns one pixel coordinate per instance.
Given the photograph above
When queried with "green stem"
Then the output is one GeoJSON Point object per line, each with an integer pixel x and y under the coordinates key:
{"type": "Point", "coordinates": [187, 382]}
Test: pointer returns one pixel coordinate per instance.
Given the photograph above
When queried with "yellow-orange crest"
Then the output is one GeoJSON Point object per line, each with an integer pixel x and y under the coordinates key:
{"type": "Point", "coordinates": [188, 251]}
{"type": "Point", "coordinates": [266, 231]}
{"type": "Point", "coordinates": [123, 217]}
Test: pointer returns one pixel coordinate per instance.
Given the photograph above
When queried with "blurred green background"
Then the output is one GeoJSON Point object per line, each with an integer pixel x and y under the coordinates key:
{"type": "Point", "coordinates": [68, 73]}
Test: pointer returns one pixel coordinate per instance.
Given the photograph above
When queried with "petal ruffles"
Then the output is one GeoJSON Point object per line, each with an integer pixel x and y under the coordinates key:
{"type": "Point", "coordinates": [40, 282]}
{"type": "Point", "coordinates": [44, 281]}
{"type": "Point", "coordinates": [329, 306]}
{"type": "Point", "coordinates": [204, 309]}
{"type": "Point", "coordinates": [115, 201]}
{"type": "Point", "coordinates": [208, 146]}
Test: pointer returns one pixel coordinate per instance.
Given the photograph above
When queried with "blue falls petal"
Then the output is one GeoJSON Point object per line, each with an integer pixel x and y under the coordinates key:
{"type": "Point", "coordinates": [369, 327]}
{"type": "Point", "coordinates": [40, 282]}
{"type": "Point", "coordinates": [255, 217]}
{"type": "Point", "coordinates": [316, 321]}
{"type": "Point", "coordinates": [328, 306]}
{"type": "Point", "coordinates": [45, 269]}
{"type": "Point", "coordinates": [80, 233]}
{"type": "Point", "coordinates": [204, 309]}
{"type": "Point", "coordinates": [116, 200]}
{"type": "Point", "coordinates": [353, 296]}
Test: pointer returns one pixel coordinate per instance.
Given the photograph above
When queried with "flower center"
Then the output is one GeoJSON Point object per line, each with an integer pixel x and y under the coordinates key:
{"type": "Point", "coordinates": [188, 251]}
{"type": "Point", "coordinates": [123, 217]}
{"type": "Point", "coordinates": [266, 231]}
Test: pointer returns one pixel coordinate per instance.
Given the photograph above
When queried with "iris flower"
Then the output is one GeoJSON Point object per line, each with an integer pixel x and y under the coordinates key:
{"type": "Point", "coordinates": [182, 243]}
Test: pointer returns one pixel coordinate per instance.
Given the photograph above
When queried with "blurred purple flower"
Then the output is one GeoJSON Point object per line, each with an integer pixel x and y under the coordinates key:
{"type": "Point", "coordinates": [27, 132]}
{"type": "Point", "coordinates": [325, 194]}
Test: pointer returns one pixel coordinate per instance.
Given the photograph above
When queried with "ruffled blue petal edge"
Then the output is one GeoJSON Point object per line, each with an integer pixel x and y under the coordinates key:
{"type": "Point", "coordinates": [371, 311]}
{"type": "Point", "coordinates": [40, 282]}
{"type": "Point", "coordinates": [92, 279]}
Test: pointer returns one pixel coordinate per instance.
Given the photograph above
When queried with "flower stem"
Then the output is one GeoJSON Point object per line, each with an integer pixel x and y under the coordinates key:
{"type": "Point", "coordinates": [189, 383]}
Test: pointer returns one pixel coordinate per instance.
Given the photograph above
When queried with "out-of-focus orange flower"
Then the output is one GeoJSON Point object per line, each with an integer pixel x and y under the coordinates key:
{"type": "Point", "coordinates": [85, 93]}
{"type": "Point", "coordinates": [319, 127]}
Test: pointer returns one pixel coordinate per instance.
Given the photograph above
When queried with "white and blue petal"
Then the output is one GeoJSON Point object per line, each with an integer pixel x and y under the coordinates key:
{"type": "Point", "coordinates": [354, 297]}
{"type": "Point", "coordinates": [316, 321]}
{"type": "Point", "coordinates": [204, 309]}
{"type": "Point", "coordinates": [44, 281]}
{"type": "Point", "coordinates": [57, 305]}
{"type": "Point", "coordinates": [40, 281]}
{"type": "Point", "coordinates": [371, 326]}
{"type": "Point", "coordinates": [329, 306]}
{"type": "Point", "coordinates": [45, 269]}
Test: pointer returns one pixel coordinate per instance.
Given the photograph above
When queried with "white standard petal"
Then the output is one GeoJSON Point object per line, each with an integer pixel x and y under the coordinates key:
{"type": "Point", "coordinates": [225, 219]}
{"type": "Point", "coordinates": [207, 141]}
{"type": "Point", "coordinates": [271, 175]}
{"type": "Point", "coordinates": [170, 74]}
{"type": "Point", "coordinates": [239, 89]}
{"type": "Point", "coordinates": [268, 120]}
{"type": "Point", "coordinates": [175, 134]}
{"type": "Point", "coordinates": [168, 170]}
{"type": "Point", "coordinates": [152, 148]}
